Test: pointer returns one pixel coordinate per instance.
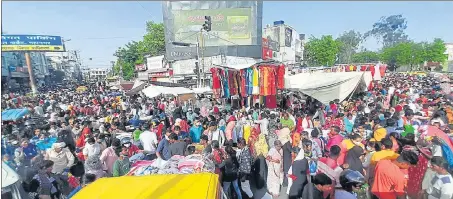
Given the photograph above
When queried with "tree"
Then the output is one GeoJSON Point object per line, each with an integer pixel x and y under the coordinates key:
{"type": "Point", "coordinates": [389, 30]}
{"type": "Point", "coordinates": [322, 51]}
{"type": "Point", "coordinates": [365, 57]}
{"type": "Point", "coordinates": [133, 53]}
{"type": "Point", "coordinates": [435, 51]}
{"type": "Point", "coordinates": [350, 42]}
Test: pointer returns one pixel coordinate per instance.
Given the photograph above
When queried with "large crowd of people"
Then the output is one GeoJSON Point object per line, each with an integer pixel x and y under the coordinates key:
{"type": "Point", "coordinates": [392, 141]}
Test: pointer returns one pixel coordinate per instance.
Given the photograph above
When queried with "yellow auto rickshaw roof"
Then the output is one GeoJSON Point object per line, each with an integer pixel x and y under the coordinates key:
{"type": "Point", "coordinates": [164, 186]}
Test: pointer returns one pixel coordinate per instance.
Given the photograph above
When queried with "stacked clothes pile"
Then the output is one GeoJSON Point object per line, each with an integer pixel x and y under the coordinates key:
{"type": "Point", "coordinates": [175, 165]}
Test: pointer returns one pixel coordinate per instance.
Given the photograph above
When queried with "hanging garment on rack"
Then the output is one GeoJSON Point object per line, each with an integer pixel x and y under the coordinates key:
{"type": "Point", "coordinates": [363, 68]}
{"type": "Point", "coordinates": [237, 81]}
{"type": "Point", "coordinates": [273, 80]}
{"type": "Point", "coordinates": [249, 81]}
{"type": "Point", "coordinates": [372, 70]}
{"type": "Point", "coordinates": [271, 101]}
{"type": "Point", "coordinates": [243, 78]}
{"type": "Point", "coordinates": [231, 83]}
{"type": "Point", "coordinates": [216, 85]}
{"type": "Point", "coordinates": [226, 90]}
{"type": "Point", "coordinates": [262, 84]}
{"type": "Point", "coordinates": [281, 77]}
{"type": "Point", "coordinates": [255, 81]}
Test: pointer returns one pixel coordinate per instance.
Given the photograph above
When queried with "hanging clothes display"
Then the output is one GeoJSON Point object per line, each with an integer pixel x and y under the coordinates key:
{"type": "Point", "coordinates": [255, 81]}
{"type": "Point", "coordinates": [262, 80]}
{"type": "Point", "coordinates": [226, 91]}
{"type": "Point", "coordinates": [280, 77]}
{"type": "Point", "coordinates": [216, 85]}
{"type": "Point", "coordinates": [232, 84]}
{"type": "Point", "coordinates": [243, 79]}
{"type": "Point", "coordinates": [271, 101]}
{"type": "Point", "coordinates": [273, 80]}
{"type": "Point", "coordinates": [249, 81]}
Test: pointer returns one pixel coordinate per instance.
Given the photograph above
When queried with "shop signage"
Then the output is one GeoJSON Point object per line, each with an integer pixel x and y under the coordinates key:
{"type": "Point", "coordinates": [140, 67]}
{"type": "Point", "coordinates": [159, 74]}
{"type": "Point", "coordinates": [187, 81]}
{"type": "Point", "coordinates": [288, 37]}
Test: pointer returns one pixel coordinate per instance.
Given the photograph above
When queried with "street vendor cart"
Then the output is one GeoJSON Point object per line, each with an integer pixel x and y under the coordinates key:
{"type": "Point", "coordinates": [164, 186]}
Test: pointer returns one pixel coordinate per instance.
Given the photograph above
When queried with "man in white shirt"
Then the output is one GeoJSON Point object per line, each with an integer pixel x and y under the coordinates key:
{"type": "Point", "coordinates": [264, 123]}
{"type": "Point", "coordinates": [91, 148]}
{"type": "Point", "coordinates": [216, 134]}
{"type": "Point", "coordinates": [149, 142]}
{"type": "Point", "coordinates": [442, 183]}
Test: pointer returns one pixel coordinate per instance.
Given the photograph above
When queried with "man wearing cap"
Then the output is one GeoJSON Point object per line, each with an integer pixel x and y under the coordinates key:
{"type": "Point", "coordinates": [61, 156]}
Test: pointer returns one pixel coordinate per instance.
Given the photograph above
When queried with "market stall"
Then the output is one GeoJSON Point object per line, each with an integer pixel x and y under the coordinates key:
{"type": "Point", "coordinates": [154, 91]}
{"type": "Point", "coordinates": [168, 186]}
{"type": "Point", "coordinates": [247, 85]}
{"type": "Point", "coordinates": [326, 87]}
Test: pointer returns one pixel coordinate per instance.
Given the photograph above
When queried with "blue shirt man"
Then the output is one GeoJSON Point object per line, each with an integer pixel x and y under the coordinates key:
{"type": "Point", "coordinates": [163, 149]}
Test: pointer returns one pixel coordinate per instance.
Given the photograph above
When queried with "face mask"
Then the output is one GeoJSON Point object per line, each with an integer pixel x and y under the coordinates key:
{"type": "Point", "coordinates": [127, 145]}
{"type": "Point", "coordinates": [166, 137]}
{"type": "Point", "coordinates": [368, 148]}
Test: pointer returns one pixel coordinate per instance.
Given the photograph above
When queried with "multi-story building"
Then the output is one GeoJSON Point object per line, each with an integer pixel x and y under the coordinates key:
{"type": "Point", "coordinates": [69, 62]}
{"type": "Point", "coordinates": [98, 73]}
{"type": "Point", "coordinates": [286, 44]}
{"type": "Point", "coordinates": [15, 70]}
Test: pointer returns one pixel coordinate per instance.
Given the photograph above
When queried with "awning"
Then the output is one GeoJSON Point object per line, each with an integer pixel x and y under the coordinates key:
{"type": "Point", "coordinates": [138, 86]}
{"type": "Point", "coordinates": [153, 91]}
{"type": "Point", "coordinates": [327, 87]}
{"type": "Point", "coordinates": [14, 114]}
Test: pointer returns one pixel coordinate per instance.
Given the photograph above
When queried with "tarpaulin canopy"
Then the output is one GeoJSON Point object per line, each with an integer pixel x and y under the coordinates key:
{"type": "Point", "coordinates": [14, 114]}
{"type": "Point", "coordinates": [153, 91]}
{"type": "Point", "coordinates": [327, 87]}
{"type": "Point", "coordinates": [136, 88]}
{"type": "Point", "coordinates": [202, 90]}
{"type": "Point", "coordinates": [162, 186]}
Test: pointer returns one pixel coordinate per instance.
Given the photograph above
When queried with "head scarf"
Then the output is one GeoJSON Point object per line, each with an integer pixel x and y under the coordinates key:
{"type": "Point", "coordinates": [353, 159]}
{"type": "Point", "coordinates": [284, 135]}
{"type": "Point", "coordinates": [58, 145]}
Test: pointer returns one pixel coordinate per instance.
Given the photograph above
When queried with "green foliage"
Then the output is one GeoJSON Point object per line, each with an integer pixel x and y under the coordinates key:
{"type": "Point", "coordinates": [389, 30]}
{"type": "Point", "coordinates": [365, 57]}
{"type": "Point", "coordinates": [435, 51]}
{"type": "Point", "coordinates": [153, 44]}
{"type": "Point", "coordinates": [350, 42]}
{"type": "Point", "coordinates": [322, 51]}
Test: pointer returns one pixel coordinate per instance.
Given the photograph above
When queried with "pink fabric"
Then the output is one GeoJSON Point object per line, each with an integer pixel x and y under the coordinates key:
{"type": "Point", "coordinates": [334, 140]}
{"type": "Point", "coordinates": [204, 112]}
{"type": "Point", "coordinates": [108, 158]}
{"type": "Point", "coordinates": [229, 130]}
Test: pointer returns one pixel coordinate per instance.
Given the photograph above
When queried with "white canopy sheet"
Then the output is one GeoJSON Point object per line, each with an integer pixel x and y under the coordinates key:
{"type": "Point", "coordinates": [154, 91]}
{"type": "Point", "coordinates": [327, 87]}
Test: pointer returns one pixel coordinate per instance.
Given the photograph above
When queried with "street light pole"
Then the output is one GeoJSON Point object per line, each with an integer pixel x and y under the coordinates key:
{"type": "Point", "coordinates": [30, 73]}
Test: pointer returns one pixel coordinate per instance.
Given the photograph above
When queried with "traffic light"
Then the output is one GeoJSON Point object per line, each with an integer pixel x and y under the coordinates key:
{"type": "Point", "coordinates": [207, 23]}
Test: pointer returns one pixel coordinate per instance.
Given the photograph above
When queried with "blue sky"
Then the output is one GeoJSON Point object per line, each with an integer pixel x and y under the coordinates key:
{"type": "Point", "coordinates": [97, 29]}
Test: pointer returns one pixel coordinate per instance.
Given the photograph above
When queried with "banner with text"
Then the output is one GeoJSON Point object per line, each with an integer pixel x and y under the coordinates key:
{"type": "Point", "coordinates": [42, 43]}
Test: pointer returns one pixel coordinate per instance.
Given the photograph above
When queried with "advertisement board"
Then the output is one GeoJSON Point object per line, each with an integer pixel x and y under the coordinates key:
{"type": "Point", "coordinates": [41, 43]}
{"type": "Point", "coordinates": [229, 26]}
{"type": "Point", "coordinates": [236, 28]}
{"type": "Point", "coordinates": [288, 37]}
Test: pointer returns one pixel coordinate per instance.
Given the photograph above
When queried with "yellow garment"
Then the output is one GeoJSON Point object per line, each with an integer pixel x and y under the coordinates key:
{"type": "Point", "coordinates": [108, 119]}
{"type": "Point", "coordinates": [387, 154]}
{"type": "Point", "coordinates": [247, 132]}
{"type": "Point", "coordinates": [255, 82]}
{"type": "Point", "coordinates": [380, 134]}
{"type": "Point", "coordinates": [348, 144]}
{"type": "Point", "coordinates": [261, 146]}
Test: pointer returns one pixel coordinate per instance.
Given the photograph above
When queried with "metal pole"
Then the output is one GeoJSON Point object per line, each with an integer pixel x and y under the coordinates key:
{"type": "Point", "coordinates": [30, 73]}
{"type": "Point", "coordinates": [202, 58]}
{"type": "Point", "coordinates": [197, 64]}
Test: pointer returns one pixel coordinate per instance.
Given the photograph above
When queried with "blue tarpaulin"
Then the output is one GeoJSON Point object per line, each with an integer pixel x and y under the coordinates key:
{"type": "Point", "coordinates": [14, 114]}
